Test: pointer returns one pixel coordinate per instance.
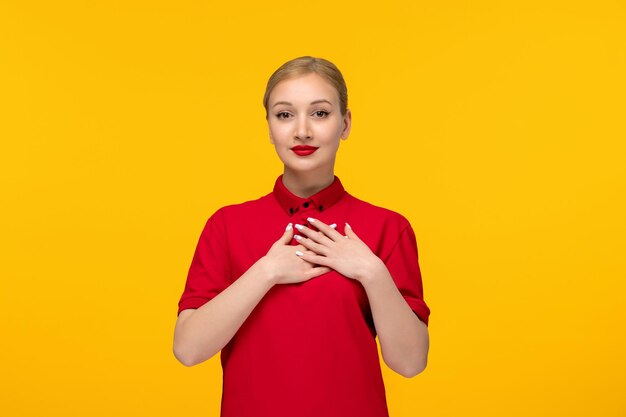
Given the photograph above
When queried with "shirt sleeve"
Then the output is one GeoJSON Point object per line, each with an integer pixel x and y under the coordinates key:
{"type": "Point", "coordinates": [209, 273]}
{"type": "Point", "coordinates": [404, 268]}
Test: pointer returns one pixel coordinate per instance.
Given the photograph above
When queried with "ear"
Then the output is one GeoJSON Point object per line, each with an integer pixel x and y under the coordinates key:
{"type": "Point", "coordinates": [347, 124]}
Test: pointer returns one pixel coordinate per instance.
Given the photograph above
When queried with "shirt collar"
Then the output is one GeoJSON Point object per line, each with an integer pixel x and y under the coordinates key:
{"type": "Point", "coordinates": [321, 200]}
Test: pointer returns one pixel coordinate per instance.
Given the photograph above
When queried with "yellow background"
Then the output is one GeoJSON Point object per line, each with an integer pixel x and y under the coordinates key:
{"type": "Point", "coordinates": [496, 128]}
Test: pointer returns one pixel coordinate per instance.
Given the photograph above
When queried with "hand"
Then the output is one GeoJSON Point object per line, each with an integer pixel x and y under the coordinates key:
{"type": "Point", "coordinates": [286, 268]}
{"type": "Point", "coordinates": [348, 255]}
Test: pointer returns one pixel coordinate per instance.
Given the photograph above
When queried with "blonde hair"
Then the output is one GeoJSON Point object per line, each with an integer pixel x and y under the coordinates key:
{"type": "Point", "coordinates": [305, 65]}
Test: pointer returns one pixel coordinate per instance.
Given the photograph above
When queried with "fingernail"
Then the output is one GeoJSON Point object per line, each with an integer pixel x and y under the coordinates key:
{"type": "Point", "coordinates": [288, 227]}
{"type": "Point", "coordinates": [333, 225]}
{"type": "Point", "coordinates": [299, 253]}
{"type": "Point", "coordinates": [310, 219]}
{"type": "Point", "coordinates": [297, 237]}
{"type": "Point", "coordinates": [299, 227]}
{"type": "Point", "coordinates": [347, 225]}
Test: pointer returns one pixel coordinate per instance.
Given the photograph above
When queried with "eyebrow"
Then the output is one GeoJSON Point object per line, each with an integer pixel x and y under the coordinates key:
{"type": "Point", "coordinates": [313, 102]}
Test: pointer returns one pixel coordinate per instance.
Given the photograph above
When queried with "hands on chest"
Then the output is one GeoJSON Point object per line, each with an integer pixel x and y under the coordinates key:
{"type": "Point", "coordinates": [319, 251]}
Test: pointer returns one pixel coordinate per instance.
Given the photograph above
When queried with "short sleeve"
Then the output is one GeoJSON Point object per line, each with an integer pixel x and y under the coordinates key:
{"type": "Point", "coordinates": [404, 268]}
{"type": "Point", "coordinates": [209, 273]}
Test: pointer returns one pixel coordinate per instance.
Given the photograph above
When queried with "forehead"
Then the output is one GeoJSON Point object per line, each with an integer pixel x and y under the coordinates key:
{"type": "Point", "coordinates": [304, 88]}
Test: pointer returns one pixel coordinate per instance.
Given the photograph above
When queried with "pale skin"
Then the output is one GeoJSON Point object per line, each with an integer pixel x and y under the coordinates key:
{"type": "Point", "coordinates": [306, 110]}
{"type": "Point", "coordinates": [403, 336]}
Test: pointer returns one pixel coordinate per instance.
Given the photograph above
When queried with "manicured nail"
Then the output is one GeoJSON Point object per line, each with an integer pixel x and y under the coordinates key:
{"type": "Point", "coordinates": [347, 225]}
{"type": "Point", "coordinates": [333, 225]}
{"type": "Point", "coordinates": [310, 219]}
{"type": "Point", "coordinates": [297, 237]}
{"type": "Point", "coordinates": [299, 227]}
{"type": "Point", "coordinates": [288, 227]}
{"type": "Point", "coordinates": [299, 253]}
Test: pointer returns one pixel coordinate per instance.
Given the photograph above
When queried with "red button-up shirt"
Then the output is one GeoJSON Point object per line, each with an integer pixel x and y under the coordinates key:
{"type": "Point", "coordinates": [307, 349]}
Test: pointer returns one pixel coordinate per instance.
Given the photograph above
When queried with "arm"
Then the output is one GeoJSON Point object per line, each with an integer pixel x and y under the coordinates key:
{"type": "Point", "coordinates": [201, 333]}
{"type": "Point", "coordinates": [403, 337]}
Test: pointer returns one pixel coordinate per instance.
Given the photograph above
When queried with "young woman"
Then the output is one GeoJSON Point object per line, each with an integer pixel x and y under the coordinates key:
{"type": "Point", "coordinates": [294, 287]}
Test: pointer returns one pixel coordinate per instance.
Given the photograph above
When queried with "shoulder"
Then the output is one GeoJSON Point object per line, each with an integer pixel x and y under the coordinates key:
{"type": "Point", "coordinates": [234, 211]}
{"type": "Point", "coordinates": [387, 218]}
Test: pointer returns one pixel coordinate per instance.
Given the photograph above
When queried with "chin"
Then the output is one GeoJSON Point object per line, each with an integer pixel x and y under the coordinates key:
{"type": "Point", "coordinates": [301, 168]}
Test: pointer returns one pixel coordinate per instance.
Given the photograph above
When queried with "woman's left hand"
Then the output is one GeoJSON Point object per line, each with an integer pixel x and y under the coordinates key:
{"type": "Point", "coordinates": [348, 255]}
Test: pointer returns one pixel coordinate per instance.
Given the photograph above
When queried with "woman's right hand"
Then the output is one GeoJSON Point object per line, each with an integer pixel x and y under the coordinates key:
{"type": "Point", "coordinates": [285, 267]}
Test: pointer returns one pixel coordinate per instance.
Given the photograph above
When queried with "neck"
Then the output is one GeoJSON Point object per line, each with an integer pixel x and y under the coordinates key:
{"type": "Point", "coordinates": [305, 184]}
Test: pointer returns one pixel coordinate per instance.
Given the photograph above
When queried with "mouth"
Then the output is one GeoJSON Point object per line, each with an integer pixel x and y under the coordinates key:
{"type": "Point", "coordinates": [303, 150]}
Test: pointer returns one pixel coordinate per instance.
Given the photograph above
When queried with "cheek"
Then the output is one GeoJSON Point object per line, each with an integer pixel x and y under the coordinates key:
{"type": "Point", "coordinates": [279, 133]}
{"type": "Point", "coordinates": [338, 131]}
{"type": "Point", "coordinates": [328, 131]}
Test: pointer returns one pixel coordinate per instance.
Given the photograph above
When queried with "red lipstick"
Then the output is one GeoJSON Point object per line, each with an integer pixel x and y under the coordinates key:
{"type": "Point", "coordinates": [303, 150]}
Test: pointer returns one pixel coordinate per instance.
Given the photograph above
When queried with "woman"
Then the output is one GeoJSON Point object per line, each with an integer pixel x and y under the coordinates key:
{"type": "Point", "coordinates": [296, 315]}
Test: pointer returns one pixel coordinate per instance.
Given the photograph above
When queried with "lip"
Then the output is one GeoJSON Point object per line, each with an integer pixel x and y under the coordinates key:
{"type": "Point", "coordinates": [303, 150]}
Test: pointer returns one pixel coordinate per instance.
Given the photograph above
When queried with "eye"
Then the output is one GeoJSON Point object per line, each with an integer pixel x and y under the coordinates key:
{"type": "Point", "coordinates": [282, 115]}
{"type": "Point", "coordinates": [321, 113]}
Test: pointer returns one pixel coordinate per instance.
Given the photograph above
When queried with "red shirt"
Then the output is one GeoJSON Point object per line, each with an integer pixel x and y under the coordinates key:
{"type": "Point", "coordinates": [307, 349]}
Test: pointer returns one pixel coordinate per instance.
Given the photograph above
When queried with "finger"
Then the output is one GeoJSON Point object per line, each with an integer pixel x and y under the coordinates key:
{"type": "Point", "coordinates": [324, 228]}
{"type": "Point", "coordinates": [287, 235]}
{"type": "Point", "coordinates": [313, 258]}
{"type": "Point", "coordinates": [318, 237]}
{"type": "Point", "coordinates": [317, 271]}
{"type": "Point", "coordinates": [312, 245]}
{"type": "Point", "coordinates": [350, 233]}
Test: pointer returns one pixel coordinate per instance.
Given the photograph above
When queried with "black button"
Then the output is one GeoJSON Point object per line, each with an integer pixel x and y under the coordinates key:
{"type": "Point", "coordinates": [290, 211]}
{"type": "Point", "coordinates": [306, 204]}
{"type": "Point", "coordinates": [321, 208]}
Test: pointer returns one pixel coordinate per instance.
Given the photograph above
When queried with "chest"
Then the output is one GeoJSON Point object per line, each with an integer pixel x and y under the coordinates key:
{"type": "Point", "coordinates": [330, 294]}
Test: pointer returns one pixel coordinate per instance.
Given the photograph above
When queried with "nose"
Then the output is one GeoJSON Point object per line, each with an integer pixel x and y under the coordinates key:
{"type": "Point", "coordinates": [303, 129]}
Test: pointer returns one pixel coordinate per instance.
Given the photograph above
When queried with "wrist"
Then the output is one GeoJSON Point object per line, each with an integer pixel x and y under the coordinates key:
{"type": "Point", "coordinates": [266, 271]}
{"type": "Point", "coordinates": [372, 270]}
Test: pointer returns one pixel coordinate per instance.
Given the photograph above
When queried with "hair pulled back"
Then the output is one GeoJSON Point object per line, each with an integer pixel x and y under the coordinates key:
{"type": "Point", "coordinates": [306, 65]}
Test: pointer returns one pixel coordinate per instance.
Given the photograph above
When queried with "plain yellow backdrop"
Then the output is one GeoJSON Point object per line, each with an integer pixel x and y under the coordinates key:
{"type": "Point", "coordinates": [496, 128]}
